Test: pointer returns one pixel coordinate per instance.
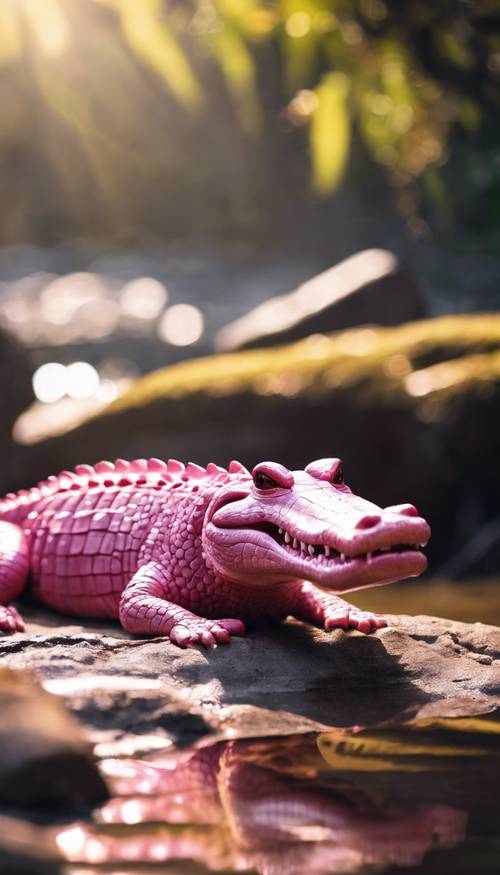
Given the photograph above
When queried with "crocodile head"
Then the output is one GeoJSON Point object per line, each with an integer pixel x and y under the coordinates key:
{"type": "Point", "coordinates": [280, 525]}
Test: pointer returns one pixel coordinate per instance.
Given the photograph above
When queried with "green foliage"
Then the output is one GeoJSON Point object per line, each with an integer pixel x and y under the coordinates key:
{"type": "Point", "coordinates": [404, 75]}
{"type": "Point", "coordinates": [155, 44]}
{"type": "Point", "coordinates": [330, 131]}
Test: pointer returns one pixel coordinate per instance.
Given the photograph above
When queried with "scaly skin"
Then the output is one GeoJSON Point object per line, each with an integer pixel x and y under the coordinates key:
{"type": "Point", "coordinates": [194, 553]}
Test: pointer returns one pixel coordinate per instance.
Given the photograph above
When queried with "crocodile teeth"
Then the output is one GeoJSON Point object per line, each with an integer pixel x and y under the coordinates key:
{"type": "Point", "coordinates": [368, 557]}
{"type": "Point", "coordinates": [342, 557]}
{"type": "Point", "coordinates": [295, 543]}
{"type": "Point", "coordinates": [303, 546]}
{"type": "Point", "coordinates": [287, 538]}
{"type": "Point", "coordinates": [327, 550]}
{"type": "Point", "coordinates": [311, 550]}
{"type": "Point", "coordinates": [280, 531]}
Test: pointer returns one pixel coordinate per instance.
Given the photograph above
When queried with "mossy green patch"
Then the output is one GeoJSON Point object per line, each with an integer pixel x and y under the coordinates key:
{"type": "Point", "coordinates": [440, 355]}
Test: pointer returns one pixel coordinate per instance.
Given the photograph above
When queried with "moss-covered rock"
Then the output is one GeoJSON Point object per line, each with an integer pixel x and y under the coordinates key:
{"type": "Point", "coordinates": [413, 410]}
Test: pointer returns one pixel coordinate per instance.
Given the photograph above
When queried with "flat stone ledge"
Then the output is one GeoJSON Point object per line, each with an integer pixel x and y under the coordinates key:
{"type": "Point", "coordinates": [282, 680]}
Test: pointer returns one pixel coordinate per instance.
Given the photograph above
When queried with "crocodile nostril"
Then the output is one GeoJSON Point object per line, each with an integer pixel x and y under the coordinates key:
{"type": "Point", "coordinates": [409, 510]}
{"type": "Point", "coordinates": [368, 522]}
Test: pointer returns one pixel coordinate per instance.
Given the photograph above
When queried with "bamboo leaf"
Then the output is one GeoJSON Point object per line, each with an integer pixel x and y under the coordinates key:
{"type": "Point", "coordinates": [238, 67]}
{"type": "Point", "coordinates": [150, 39]}
{"type": "Point", "coordinates": [299, 40]}
{"type": "Point", "coordinates": [330, 133]}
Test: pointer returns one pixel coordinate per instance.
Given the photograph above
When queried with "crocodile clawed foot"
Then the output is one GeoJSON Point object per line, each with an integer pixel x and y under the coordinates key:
{"type": "Point", "coordinates": [10, 620]}
{"type": "Point", "coordinates": [206, 632]}
{"type": "Point", "coordinates": [352, 618]}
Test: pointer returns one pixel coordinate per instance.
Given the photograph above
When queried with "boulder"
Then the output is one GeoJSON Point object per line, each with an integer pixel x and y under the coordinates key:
{"type": "Point", "coordinates": [371, 287]}
{"type": "Point", "coordinates": [136, 695]}
{"type": "Point", "coordinates": [410, 409]}
{"type": "Point", "coordinates": [44, 756]}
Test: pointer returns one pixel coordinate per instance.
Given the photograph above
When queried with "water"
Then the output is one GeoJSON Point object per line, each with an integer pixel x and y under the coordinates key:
{"type": "Point", "coordinates": [424, 799]}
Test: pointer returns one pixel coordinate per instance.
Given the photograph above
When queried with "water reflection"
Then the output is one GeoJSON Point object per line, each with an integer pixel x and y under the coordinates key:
{"type": "Point", "coordinates": [343, 802]}
{"type": "Point", "coordinates": [259, 816]}
{"type": "Point", "coordinates": [255, 806]}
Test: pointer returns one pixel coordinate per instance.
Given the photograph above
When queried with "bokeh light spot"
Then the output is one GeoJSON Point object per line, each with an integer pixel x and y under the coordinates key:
{"type": "Point", "coordinates": [82, 380]}
{"type": "Point", "coordinates": [71, 842]}
{"type": "Point", "coordinates": [298, 24]}
{"type": "Point", "coordinates": [65, 295]}
{"type": "Point", "coordinates": [419, 383]}
{"type": "Point", "coordinates": [181, 325]}
{"type": "Point", "coordinates": [302, 106]}
{"type": "Point", "coordinates": [50, 382]}
{"type": "Point", "coordinates": [143, 298]}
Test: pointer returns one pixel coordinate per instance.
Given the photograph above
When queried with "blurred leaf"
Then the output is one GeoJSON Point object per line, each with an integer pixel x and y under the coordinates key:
{"type": "Point", "coordinates": [330, 134]}
{"type": "Point", "coordinates": [300, 40]}
{"type": "Point", "coordinates": [238, 66]}
{"type": "Point", "coordinates": [436, 191]}
{"type": "Point", "coordinates": [10, 37]}
{"type": "Point", "coordinates": [146, 31]}
{"type": "Point", "coordinates": [394, 73]}
{"type": "Point", "coordinates": [454, 50]}
{"type": "Point", "coordinates": [247, 15]}
{"type": "Point", "coordinates": [48, 23]}
{"type": "Point", "coordinates": [469, 114]}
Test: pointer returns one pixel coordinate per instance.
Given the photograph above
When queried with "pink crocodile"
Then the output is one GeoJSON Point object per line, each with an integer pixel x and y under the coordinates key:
{"type": "Point", "coordinates": [192, 553]}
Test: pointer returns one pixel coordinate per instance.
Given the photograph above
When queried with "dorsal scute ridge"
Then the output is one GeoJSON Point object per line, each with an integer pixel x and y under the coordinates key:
{"type": "Point", "coordinates": [84, 470]}
{"type": "Point", "coordinates": [195, 471]}
{"type": "Point", "coordinates": [214, 470]}
{"type": "Point", "coordinates": [70, 475]}
{"type": "Point", "coordinates": [139, 465]}
{"type": "Point", "coordinates": [175, 467]}
{"type": "Point", "coordinates": [157, 465]}
{"type": "Point", "coordinates": [141, 472]}
{"type": "Point", "coordinates": [236, 467]}
{"type": "Point", "coordinates": [104, 467]}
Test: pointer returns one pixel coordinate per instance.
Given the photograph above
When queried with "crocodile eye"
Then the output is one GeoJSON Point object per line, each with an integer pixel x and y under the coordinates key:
{"type": "Point", "coordinates": [262, 481]}
{"type": "Point", "coordinates": [338, 477]}
{"type": "Point", "coordinates": [272, 475]}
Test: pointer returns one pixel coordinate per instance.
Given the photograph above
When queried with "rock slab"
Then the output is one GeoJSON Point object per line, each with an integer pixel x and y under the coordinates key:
{"type": "Point", "coordinates": [278, 681]}
{"type": "Point", "coordinates": [370, 287]}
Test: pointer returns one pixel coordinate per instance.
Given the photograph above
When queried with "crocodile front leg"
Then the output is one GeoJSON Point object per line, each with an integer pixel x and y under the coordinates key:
{"type": "Point", "coordinates": [331, 612]}
{"type": "Point", "coordinates": [144, 610]}
{"type": "Point", "coordinates": [14, 566]}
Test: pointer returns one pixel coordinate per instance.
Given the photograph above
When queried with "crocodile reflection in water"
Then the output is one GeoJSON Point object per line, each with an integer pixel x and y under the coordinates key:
{"type": "Point", "coordinates": [239, 814]}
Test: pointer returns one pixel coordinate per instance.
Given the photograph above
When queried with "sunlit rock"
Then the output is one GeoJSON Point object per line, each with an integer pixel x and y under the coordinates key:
{"type": "Point", "coordinates": [370, 287]}
{"type": "Point", "coordinates": [133, 694]}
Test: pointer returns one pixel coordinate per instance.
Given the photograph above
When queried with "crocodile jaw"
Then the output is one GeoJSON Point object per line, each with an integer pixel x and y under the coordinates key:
{"type": "Point", "coordinates": [333, 562]}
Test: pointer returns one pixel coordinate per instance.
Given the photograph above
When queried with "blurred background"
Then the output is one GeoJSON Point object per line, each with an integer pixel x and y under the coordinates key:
{"type": "Point", "coordinates": [258, 229]}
